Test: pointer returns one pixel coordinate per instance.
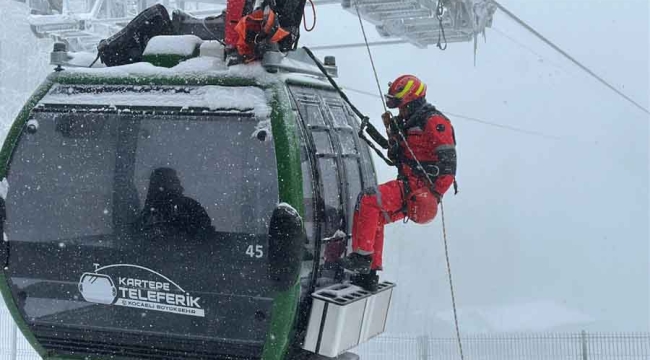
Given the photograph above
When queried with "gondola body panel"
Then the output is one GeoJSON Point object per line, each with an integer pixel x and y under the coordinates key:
{"type": "Point", "coordinates": [92, 268]}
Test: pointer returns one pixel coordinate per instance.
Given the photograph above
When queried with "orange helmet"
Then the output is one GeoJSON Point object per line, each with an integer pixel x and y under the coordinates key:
{"type": "Point", "coordinates": [422, 206]}
{"type": "Point", "coordinates": [404, 90]}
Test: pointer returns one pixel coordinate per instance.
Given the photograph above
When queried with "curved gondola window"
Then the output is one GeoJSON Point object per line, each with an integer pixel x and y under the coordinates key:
{"type": "Point", "coordinates": [312, 114]}
{"type": "Point", "coordinates": [231, 172]}
{"type": "Point", "coordinates": [322, 142]}
{"type": "Point", "coordinates": [352, 172]}
{"type": "Point", "coordinates": [62, 180]}
{"type": "Point", "coordinates": [311, 109]}
{"type": "Point", "coordinates": [339, 116]}
{"type": "Point", "coordinates": [308, 200]}
{"type": "Point", "coordinates": [328, 170]}
{"type": "Point", "coordinates": [347, 143]}
{"type": "Point", "coordinates": [345, 134]}
{"type": "Point", "coordinates": [80, 184]}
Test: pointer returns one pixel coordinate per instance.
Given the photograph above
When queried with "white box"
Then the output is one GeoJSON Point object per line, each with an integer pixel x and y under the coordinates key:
{"type": "Point", "coordinates": [344, 315]}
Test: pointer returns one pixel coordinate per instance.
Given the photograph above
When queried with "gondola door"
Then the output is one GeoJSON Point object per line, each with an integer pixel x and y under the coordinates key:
{"type": "Point", "coordinates": [340, 167]}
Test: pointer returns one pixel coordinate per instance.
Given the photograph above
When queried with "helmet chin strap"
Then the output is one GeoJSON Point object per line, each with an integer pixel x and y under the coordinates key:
{"type": "Point", "coordinates": [410, 108]}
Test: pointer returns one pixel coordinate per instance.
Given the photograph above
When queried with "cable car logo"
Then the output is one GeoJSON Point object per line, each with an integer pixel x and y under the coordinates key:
{"type": "Point", "coordinates": [97, 288]}
{"type": "Point", "coordinates": [160, 294]}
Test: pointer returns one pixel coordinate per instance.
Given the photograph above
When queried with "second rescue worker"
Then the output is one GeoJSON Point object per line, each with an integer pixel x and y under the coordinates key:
{"type": "Point", "coordinates": [417, 190]}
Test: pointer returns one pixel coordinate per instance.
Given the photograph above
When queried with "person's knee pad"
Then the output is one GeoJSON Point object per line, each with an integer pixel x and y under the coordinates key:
{"type": "Point", "coordinates": [422, 206]}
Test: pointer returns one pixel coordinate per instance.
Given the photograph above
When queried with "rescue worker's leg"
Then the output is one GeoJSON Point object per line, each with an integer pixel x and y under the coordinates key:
{"type": "Point", "coordinates": [375, 208]}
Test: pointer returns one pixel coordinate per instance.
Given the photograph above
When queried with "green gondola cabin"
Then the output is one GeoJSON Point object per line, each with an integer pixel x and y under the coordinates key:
{"type": "Point", "coordinates": [183, 212]}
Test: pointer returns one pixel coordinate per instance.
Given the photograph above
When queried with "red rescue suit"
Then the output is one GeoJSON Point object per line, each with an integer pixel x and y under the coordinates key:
{"type": "Point", "coordinates": [430, 136]}
{"type": "Point", "coordinates": [255, 30]}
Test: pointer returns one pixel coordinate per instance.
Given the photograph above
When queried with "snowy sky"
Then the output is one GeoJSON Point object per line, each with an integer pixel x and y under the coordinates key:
{"type": "Point", "coordinates": [549, 232]}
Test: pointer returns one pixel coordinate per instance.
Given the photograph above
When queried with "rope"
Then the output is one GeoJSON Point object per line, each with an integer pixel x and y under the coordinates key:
{"type": "Point", "coordinates": [566, 55]}
{"type": "Point", "coordinates": [334, 84]}
{"type": "Point", "coordinates": [444, 236]}
{"type": "Point", "coordinates": [372, 62]}
{"type": "Point", "coordinates": [477, 120]}
{"type": "Point", "coordinates": [304, 23]}
{"type": "Point", "coordinates": [215, 36]}
{"type": "Point", "coordinates": [365, 123]}
{"type": "Point", "coordinates": [372, 146]}
{"type": "Point", "coordinates": [440, 10]}
{"type": "Point", "coordinates": [94, 61]}
{"type": "Point", "coordinates": [421, 168]}
{"type": "Point", "coordinates": [451, 283]}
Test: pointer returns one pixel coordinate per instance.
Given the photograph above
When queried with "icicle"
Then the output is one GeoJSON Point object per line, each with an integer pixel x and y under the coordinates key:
{"type": "Point", "coordinates": [481, 11]}
{"type": "Point", "coordinates": [475, 48]}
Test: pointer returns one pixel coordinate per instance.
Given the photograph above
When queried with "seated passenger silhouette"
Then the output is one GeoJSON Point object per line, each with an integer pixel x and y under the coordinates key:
{"type": "Point", "coordinates": [167, 208]}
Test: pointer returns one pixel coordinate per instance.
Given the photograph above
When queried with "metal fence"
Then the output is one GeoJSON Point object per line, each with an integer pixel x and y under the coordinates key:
{"type": "Point", "coordinates": [12, 343]}
{"type": "Point", "coordinates": [524, 346]}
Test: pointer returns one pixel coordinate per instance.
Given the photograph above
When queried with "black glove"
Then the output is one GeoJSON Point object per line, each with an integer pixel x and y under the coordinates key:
{"type": "Point", "coordinates": [393, 150]}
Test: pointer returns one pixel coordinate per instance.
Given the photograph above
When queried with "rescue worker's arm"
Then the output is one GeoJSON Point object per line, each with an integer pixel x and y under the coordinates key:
{"type": "Point", "coordinates": [393, 142]}
{"type": "Point", "coordinates": [442, 133]}
{"type": "Point", "coordinates": [374, 133]}
{"type": "Point", "coordinates": [386, 117]}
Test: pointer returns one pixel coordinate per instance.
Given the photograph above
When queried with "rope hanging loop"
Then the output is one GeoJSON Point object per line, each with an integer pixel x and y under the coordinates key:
{"type": "Point", "coordinates": [440, 11]}
{"type": "Point", "coordinates": [304, 17]}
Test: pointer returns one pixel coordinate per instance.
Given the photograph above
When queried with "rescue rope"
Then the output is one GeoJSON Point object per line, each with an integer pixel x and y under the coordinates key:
{"type": "Point", "coordinates": [372, 62]}
{"type": "Point", "coordinates": [365, 121]}
{"type": "Point", "coordinates": [444, 238]}
{"type": "Point", "coordinates": [451, 283]}
{"type": "Point", "coordinates": [304, 17]}
{"type": "Point", "coordinates": [421, 168]}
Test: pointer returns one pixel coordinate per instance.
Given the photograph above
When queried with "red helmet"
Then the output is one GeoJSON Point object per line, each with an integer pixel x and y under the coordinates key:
{"type": "Point", "coordinates": [422, 206]}
{"type": "Point", "coordinates": [404, 90]}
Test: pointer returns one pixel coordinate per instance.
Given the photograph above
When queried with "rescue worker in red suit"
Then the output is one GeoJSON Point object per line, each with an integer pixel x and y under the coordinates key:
{"type": "Point", "coordinates": [418, 188]}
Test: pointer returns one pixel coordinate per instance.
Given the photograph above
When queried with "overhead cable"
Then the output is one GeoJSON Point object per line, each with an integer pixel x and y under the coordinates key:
{"type": "Point", "coordinates": [525, 47]}
{"type": "Point", "coordinates": [372, 62]}
{"type": "Point", "coordinates": [557, 48]}
{"type": "Point", "coordinates": [355, 45]}
{"type": "Point", "coordinates": [474, 119]}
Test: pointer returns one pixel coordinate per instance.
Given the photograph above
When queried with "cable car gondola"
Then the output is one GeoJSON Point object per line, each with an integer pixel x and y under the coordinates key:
{"type": "Point", "coordinates": [186, 213]}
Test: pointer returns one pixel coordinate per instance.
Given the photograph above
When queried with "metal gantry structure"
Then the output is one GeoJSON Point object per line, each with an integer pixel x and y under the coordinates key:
{"type": "Point", "coordinates": [425, 22]}
{"type": "Point", "coordinates": [82, 23]}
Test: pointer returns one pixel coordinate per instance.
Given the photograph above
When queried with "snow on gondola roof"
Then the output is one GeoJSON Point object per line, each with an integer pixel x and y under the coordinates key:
{"type": "Point", "coordinates": [205, 79]}
{"type": "Point", "coordinates": [292, 67]}
{"type": "Point", "coordinates": [203, 66]}
{"type": "Point", "coordinates": [212, 97]}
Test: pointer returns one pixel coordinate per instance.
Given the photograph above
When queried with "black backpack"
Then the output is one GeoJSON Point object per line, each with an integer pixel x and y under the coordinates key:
{"type": "Point", "coordinates": [127, 45]}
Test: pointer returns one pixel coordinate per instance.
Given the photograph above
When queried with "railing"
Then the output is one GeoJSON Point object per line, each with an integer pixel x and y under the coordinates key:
{"type": "Point", "coordinates": [12, 343]}
{"type": "Point", "coordinates": [524, 346]}
{"type": "Point", "coordinates": [533, 346]}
